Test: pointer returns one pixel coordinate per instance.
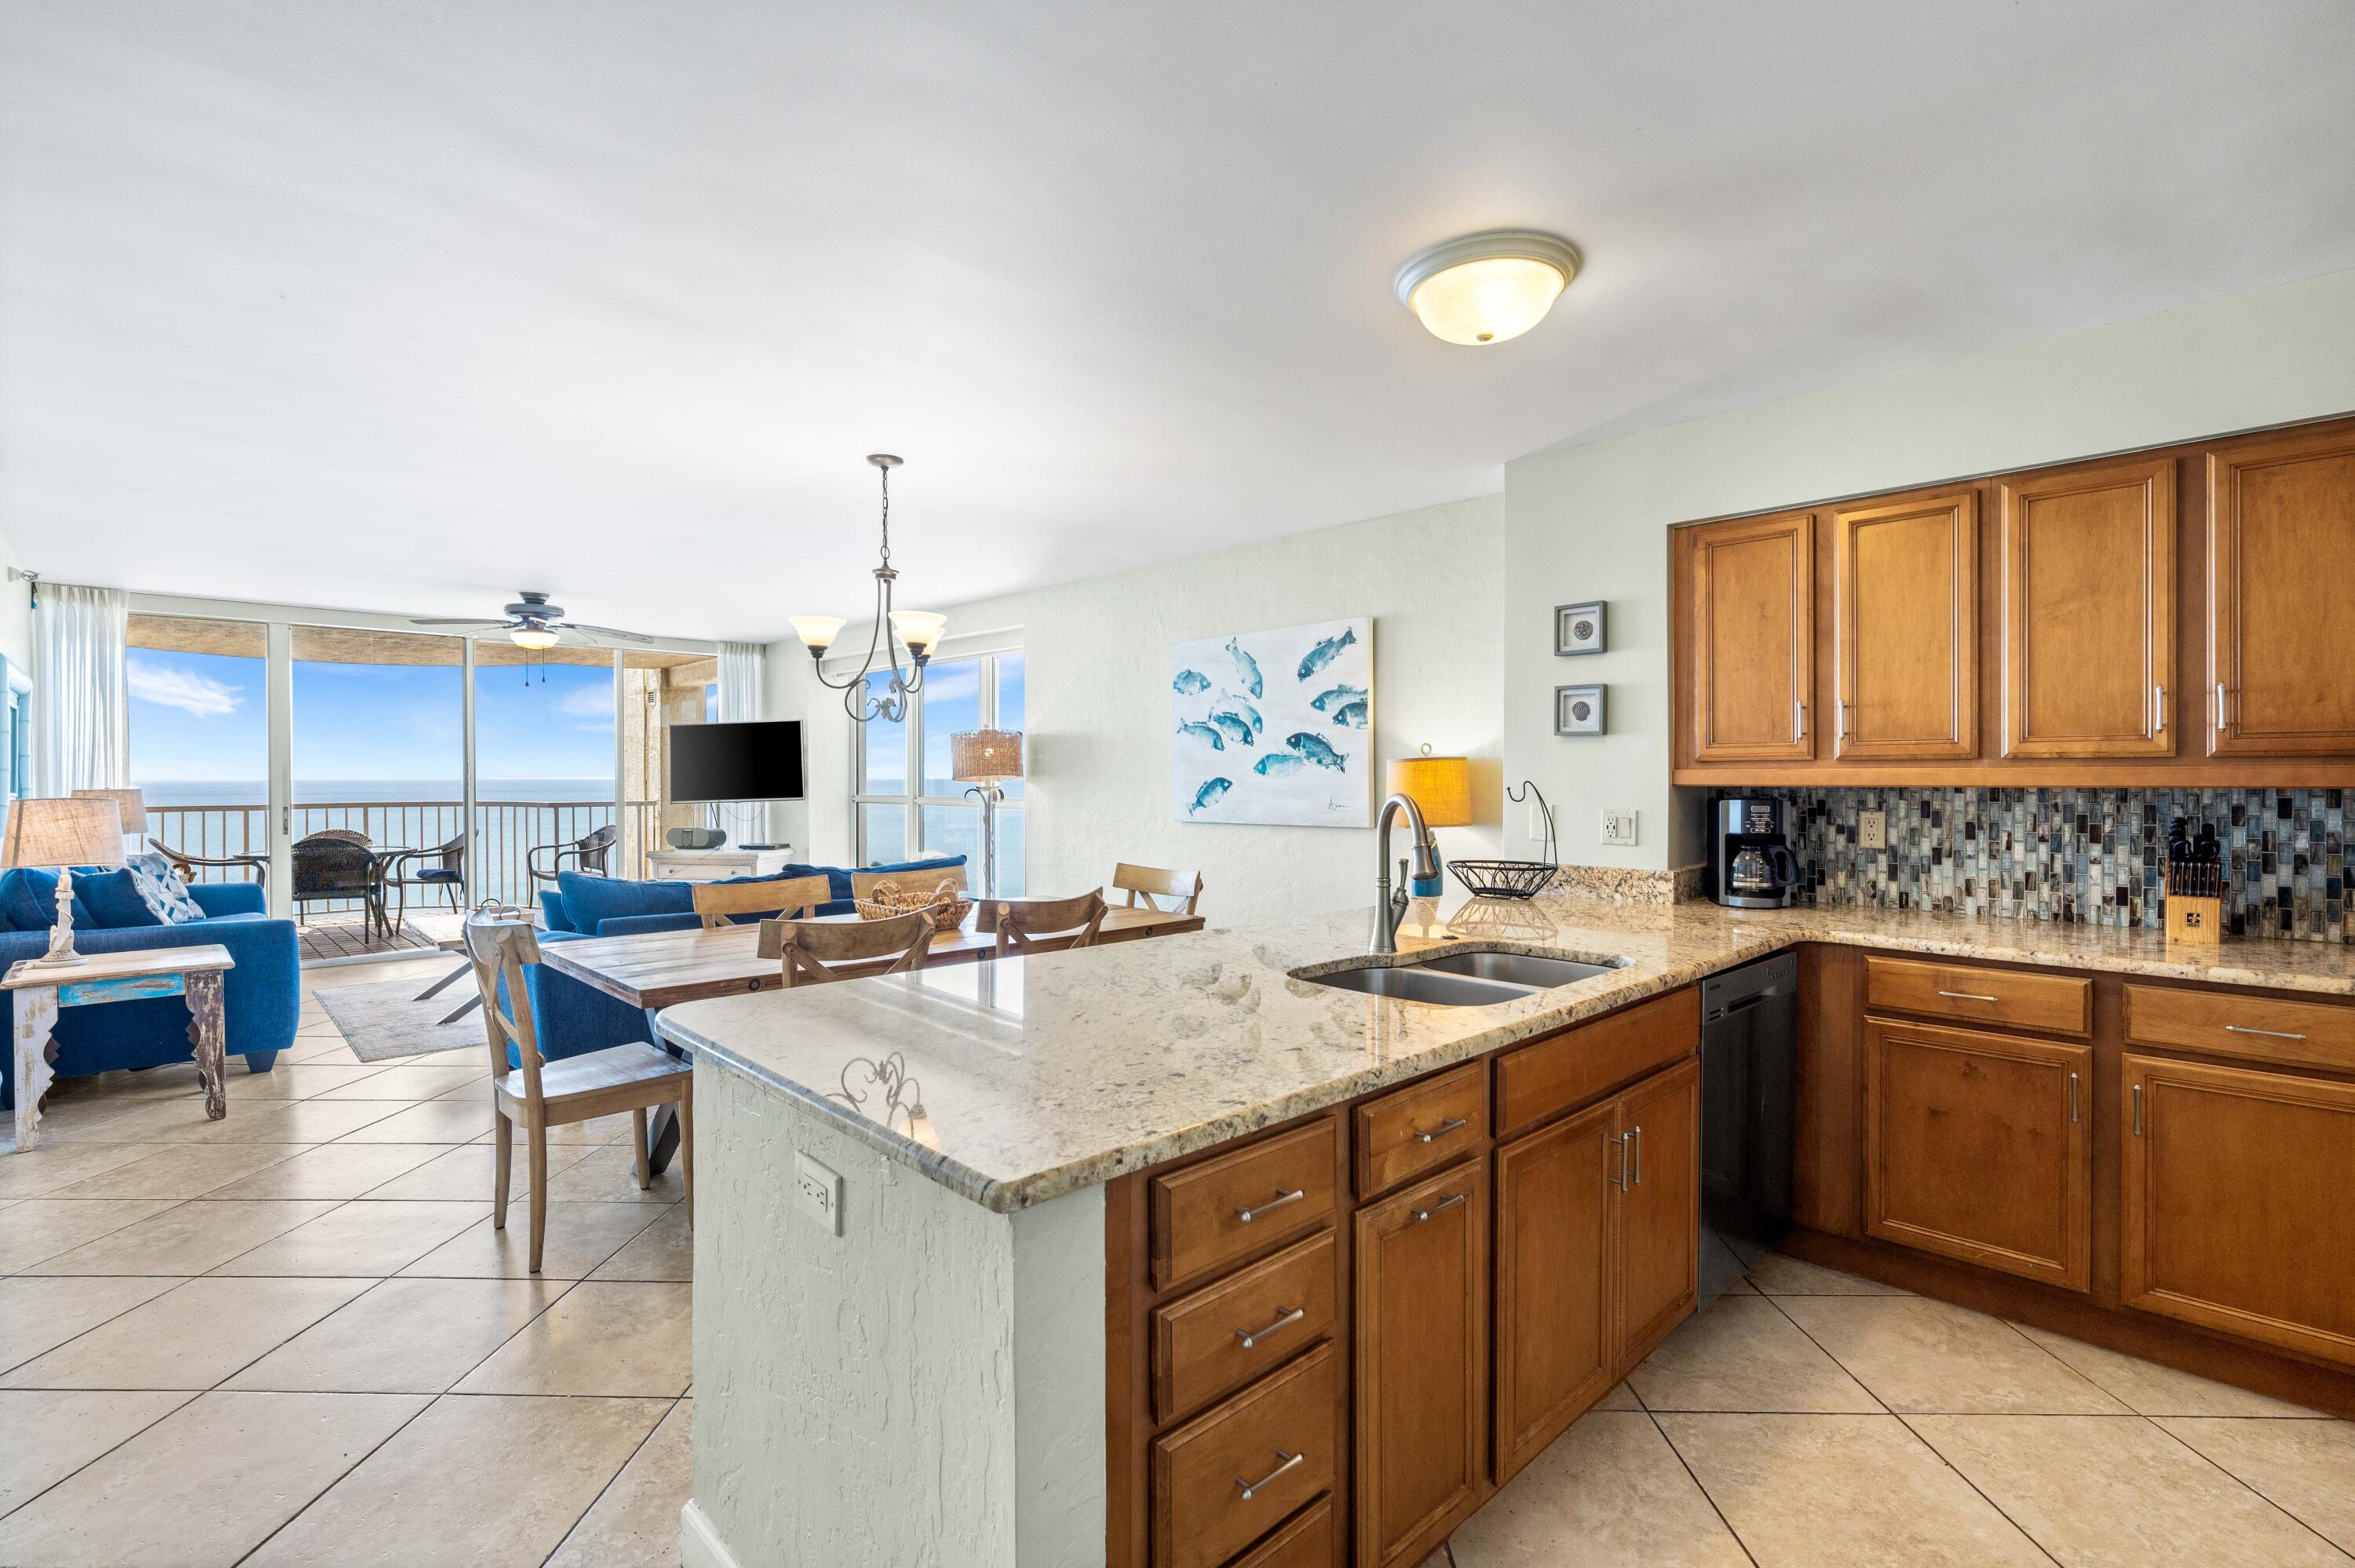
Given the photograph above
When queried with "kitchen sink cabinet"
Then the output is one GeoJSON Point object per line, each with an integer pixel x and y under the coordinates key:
{"type": "Point", "coordinates": [2281, 629]}
{"type": "Point", "coordinates": [1750, 602]}
{"type": "Point", "coordinates": [1659, 1246]}
{"type": "Point", "coordinates": [1905, 616]}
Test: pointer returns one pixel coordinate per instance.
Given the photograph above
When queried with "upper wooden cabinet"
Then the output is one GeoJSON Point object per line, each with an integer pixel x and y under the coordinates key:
{"type": "Point", "coordinates": [2281, 622]}
{"type": "Point", "coordinates": [1750, 603]}
{"type": "Point", "coordinates": [2089, 610]}
{"type": "Point", "coordinates": [1906, 612]}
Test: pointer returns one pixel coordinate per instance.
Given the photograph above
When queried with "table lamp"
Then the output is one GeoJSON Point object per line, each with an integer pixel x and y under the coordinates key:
{"type": "Point", "coordinates": [1442, 787]}
{"type": "Point", "coordinates": [132, 806]}
{"type": "Point", "coordinates": [63, 833]}
{"type": "Point", "coordinates": [985, 759]}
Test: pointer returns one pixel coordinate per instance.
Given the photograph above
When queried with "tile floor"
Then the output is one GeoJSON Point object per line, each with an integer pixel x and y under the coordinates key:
{"type": "Point", "coordinates": [293, 1337]}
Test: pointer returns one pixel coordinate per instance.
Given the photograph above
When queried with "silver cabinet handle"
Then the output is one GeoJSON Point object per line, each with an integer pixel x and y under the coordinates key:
{"type": "Point", "coordinates": [2161, 727]}
{"type": "Point", "coordinates": [1285, 1318]}
{"type": "Point", "coordinates": [1635, 1156]}
{"type": "Point", "coordinates": [1253, 1489]}
{"type": "Point", "coordinates": [1281, 1198]}
{"type": "Point", "coordinates": [1970, 996]}
{"type": "Point", "coordinates": [2219, 706]}
{"type": "Point", "coordinates": [2268, 1033]}
{"type": "Point", "coordinates": [1620, 1181]}
{"type": "Point", "coordinates": [1447, 1203]}
{"type": "Point", "coordinates": [1441, 1130]}
{"type": "Point", "coordinates": [2137, 1111]}
{"type": "Point", "coordinates": [2072, 1097]}
{"type": "Point", "coordinates": [1798, 719]}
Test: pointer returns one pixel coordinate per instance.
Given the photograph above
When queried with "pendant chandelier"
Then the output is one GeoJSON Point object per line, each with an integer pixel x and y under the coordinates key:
{"type": "Point", "coordinates": [916, 631]}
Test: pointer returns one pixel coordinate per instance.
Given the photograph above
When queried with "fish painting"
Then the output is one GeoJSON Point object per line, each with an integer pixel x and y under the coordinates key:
{"type": "Point", "coordinates": [1208, 795]}
{"type": "Point", "coordinates": [1233, 726]}
{"type": "Point", "coordinates": [1276, 764]}
{"type": "Point", "coordinates": [1351, 715]}
{"type": "Point", "coordinates": [1190, 681]}
{"type": "Point", "coordinates": [1203, 732]}
{"type": "Point", "coordinates": [1249, 713]}
{"type": "Point", "coordinates": [1326, 702]}
{"type": "Point", "coordinates": [1325, 652]}
{"type": "Point", "coordinates": [1246, 668]}
{"type": "Point", "coordinates": [1315, 750]}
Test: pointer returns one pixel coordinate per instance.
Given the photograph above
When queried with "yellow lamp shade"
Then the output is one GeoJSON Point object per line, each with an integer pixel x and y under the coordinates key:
{"type": "Point", "coordinates": [1441, 785]}
{"type": "Point", "coordinates": [985, 755]}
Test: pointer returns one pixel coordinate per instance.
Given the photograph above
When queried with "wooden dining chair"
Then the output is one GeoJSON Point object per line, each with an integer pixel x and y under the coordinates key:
{"type": "Point", "coordinates": [806, 947]}
{"type": "Point", "coordinates": [1150, 882]}
{"type": "Point", "coordinates": [538, 1094]}
{"type": "Point", "coordinates": [786, 897]}
{"type": "Point", "coordinates": [1023, 924]}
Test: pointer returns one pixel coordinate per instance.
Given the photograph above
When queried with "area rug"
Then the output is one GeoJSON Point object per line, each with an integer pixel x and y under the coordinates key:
{"type": "Point", "coordinates": [385, 1019]}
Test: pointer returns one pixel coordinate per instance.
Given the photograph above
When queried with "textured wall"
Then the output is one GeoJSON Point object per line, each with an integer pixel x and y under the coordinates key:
{"type": "Point", "coordinates": [2087, 856]}
{"type": "Point", "coordinates": [876, 1399]}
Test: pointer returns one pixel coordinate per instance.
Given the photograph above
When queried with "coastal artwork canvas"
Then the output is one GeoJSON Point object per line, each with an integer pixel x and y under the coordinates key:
{"type": "Point", "coordinates": [1275, 727]}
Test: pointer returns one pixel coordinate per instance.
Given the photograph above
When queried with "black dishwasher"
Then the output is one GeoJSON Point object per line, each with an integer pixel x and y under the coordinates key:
{"type": "Point", "coordinates": [1749, 1105]}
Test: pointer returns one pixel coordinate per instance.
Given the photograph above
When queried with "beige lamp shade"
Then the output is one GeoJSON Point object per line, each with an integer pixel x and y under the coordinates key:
{"type": "Point", "coordinates": [79, 832]}
{"type": "Point", "coordinates": [985, 755]}
{"type": "Point", "coordinates": [1442, 785]}
{"type": "Point", "coordinates": [131, 803]}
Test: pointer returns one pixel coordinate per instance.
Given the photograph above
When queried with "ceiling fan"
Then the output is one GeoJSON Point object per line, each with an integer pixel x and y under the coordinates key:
{"type": "Point", "coordinates": [533, 622]}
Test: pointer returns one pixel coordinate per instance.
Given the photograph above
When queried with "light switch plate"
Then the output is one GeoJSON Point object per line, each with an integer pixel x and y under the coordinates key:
{"type": "Point", "coordinates": [1618, 825]}
{"type": "Point", "coordinates": [1872, 829]}
{"type": "Point", "coordinates": [817, 1192]}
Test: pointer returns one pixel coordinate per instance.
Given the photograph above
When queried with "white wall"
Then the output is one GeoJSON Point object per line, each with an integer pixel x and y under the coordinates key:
{"type": "Point", "coordinates": [1592, 522]}
{"type": "Point", "coordinates": [1099, 723]}
{"type": "Point", "coordinates": [16, 610]}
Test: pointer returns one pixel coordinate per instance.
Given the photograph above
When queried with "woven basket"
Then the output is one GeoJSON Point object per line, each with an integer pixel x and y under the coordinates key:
{"type": "Point", "coordinates": [945, 902]}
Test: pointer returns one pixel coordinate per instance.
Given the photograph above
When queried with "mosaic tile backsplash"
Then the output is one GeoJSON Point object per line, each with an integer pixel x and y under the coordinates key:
{"type": "Point", "coordinates": [2082, 856]}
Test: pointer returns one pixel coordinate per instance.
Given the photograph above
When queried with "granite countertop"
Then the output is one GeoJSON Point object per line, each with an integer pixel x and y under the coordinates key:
{"type": "Point", "coordinates": [1038, 1077]}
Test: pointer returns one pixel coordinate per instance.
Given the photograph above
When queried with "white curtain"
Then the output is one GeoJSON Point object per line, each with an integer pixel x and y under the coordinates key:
{"type": "Point", "coordinates": [740, 681]}
{"type": "Point", "coordinates": [81, 704]}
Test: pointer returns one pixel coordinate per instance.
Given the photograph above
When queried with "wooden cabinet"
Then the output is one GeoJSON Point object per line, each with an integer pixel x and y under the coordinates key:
{"type": "Point", "coordinates": [2281, 622]}
{"type": "Point", "coordinates": [1659, 1124]}
{"type": "Point", "coordinates": [1905, 611]}
{"type": "Point", "coordinates": [1976, 1146]}
{"type": "Point", "coordinates": [1231, 1474]}
{"type": "Point", "coordinates": [1421, 1363]}
{"type": "Point", "coordinates": [1750, 606]}
{"type": "Point", "coordinates": [2089, 610]}
{"type": "Point", "coordinates": [2233, 1202]}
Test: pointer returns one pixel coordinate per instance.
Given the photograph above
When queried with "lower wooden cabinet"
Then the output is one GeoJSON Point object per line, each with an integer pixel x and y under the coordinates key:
{"type": "Point", "coordinates": [2234, 1201]}
{"type": "Point", "coordinates": [1976, 1145]}
{"type": "Point", "coordinates": [1421, 1362]}
{"type": "Point", "coordinates": [1659, 1240]}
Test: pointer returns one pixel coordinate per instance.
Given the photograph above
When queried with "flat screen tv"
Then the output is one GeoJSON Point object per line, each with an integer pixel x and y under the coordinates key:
{"type": "Point", "coordinates": [760, 760]}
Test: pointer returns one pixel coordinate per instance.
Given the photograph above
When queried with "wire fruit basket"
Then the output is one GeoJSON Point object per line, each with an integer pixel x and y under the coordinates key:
{"type": "Point", "coordinates": [1512, 878]}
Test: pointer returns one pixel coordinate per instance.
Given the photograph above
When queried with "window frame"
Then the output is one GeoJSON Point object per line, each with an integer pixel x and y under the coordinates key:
{"type": "Point", "coordinates": [912, 801]}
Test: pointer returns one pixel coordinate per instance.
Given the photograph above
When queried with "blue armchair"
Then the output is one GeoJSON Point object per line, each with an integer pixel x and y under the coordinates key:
{"type": "Point", "coordinates": [261, 996]}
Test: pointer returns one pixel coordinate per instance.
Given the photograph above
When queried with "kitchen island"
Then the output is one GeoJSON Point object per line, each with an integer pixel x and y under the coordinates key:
{"type": "Point", "coordinates": [954, 1377]}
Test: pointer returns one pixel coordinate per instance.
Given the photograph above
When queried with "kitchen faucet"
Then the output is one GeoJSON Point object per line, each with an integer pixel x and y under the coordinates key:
{"type": "Point", "coordinates": [1390, 907]}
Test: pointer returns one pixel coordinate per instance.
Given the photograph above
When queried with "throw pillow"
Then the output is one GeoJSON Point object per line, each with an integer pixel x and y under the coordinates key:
{"type": "Point", "coordinates": [161, 889]}
{"type": "Point", "coordinates": [113, 899]}
{"type": "Point", "coordinates": [29, 896]}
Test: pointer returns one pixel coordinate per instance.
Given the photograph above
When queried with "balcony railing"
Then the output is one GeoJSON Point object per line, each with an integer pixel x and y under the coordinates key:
{"type": "Point", "coordinates": [504, 832]}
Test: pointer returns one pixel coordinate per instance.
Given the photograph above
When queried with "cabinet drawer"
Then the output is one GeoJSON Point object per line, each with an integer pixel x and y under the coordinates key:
{"type": "Point", "coordinates": [1421, 1126]}
{"type": "Point", "coordinates": [1306, 1543]}
{"type": "Point", "coordinates": [1226, 1208]}
{"type": "Point", "coordinates": [1537, 1081]}
{"type": "Point", "coordinates": [1280, 1306]}
{"type": "Point", "coordinates": [1277, 1440]}
{"type": "Point", "coordinates": [2229, 1024]}
{"type": "Point", "coordinates": [2015, 998]}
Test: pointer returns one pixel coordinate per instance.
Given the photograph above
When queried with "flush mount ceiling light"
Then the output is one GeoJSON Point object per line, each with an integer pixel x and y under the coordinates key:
{"type": "Point", "coordinates": [1486, 287]}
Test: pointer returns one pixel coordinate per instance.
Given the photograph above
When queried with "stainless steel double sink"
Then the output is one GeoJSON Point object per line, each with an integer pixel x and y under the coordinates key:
{"type": "Point", "coordinates": [1455, 978]}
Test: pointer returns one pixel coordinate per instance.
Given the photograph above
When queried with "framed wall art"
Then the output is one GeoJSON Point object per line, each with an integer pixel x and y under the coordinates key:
{"type": "Point", "coordinates": [1578, 629]}
{"type": "Point", "coordinates": [1578, 710]}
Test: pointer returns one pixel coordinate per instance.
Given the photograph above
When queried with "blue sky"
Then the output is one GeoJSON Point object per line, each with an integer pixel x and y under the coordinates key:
{"type": "Point", "coordinates": [205, 717]}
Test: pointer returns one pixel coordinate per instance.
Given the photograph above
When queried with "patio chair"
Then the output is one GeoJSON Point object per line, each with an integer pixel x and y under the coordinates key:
{"type": "Point", "coordinates": [337, 864]}
{"type": "Point", "coordinates": [588, 853]}
{"type": "Point", "coordinates": [442, 866]}
{"type": "Point", "coordinates": [187, 866]}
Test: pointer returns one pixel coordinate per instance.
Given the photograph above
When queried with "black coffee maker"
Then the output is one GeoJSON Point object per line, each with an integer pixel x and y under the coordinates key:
{"type": "Point", "coordinates": [1751, 865]}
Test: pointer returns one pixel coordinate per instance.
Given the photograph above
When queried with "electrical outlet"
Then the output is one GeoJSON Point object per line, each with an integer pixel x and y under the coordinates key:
{"type": "Point", "coordinates": [817, 1192]}
{"type": "Point", "coordinates": [1618, 825]}
{"type": "Point", "coordinates": [1872, 829]}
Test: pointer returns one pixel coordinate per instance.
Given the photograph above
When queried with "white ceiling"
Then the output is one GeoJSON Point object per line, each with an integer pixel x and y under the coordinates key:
{"type": "Point", "coordinates": [404, 306]}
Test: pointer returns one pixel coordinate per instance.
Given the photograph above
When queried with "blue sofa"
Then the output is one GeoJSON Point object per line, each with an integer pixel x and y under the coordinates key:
{"type": "Point", "coordinates": [262, 997]}
{"type": "Point", "coordinates": [573, 1017]}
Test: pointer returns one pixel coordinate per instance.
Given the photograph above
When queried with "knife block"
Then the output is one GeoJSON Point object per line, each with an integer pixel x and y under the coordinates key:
{"type": "Point", "coordinates": [2195, 910]}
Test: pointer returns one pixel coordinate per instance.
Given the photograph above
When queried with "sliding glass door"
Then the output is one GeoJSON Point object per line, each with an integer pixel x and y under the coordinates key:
{"type": "Point", "coordinates": [544, 767]}
{"type": "Point", "coordinates": [200, 740]}
{"type": "Point", "coordinates": [909, 802]}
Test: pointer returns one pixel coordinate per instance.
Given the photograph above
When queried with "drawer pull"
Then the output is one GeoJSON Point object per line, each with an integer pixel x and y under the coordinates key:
{"type": "Point", "coordinates": [1969, 996]}
{"type": "Point", "coordinates": [1441, 1130]}
{"type": "Point", "coordinates": [2268, 1033]}
{"type": "Point", "coordinates": [1444, 1203]}
{"type": "Point", "coordinates": [1253, 1489]}
{"type": "Point", "coordinates": [1281, 1198]}
{"type": "Point", "coordinates": [1285, 1318]}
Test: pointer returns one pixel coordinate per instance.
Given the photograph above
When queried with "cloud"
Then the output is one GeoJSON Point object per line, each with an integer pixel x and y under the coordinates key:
{"type": "Point", "coordinates": [587, 703]}
{"type": "Point", "coordinates": [152, 681]}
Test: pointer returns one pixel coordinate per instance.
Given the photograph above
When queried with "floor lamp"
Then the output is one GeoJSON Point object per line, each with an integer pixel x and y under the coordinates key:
{"type": "Point", "coordinates": [985, 759]}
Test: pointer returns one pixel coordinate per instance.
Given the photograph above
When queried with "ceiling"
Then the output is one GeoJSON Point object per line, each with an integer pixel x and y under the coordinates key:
{"type": "Point", "coordinates": [410, 305]}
